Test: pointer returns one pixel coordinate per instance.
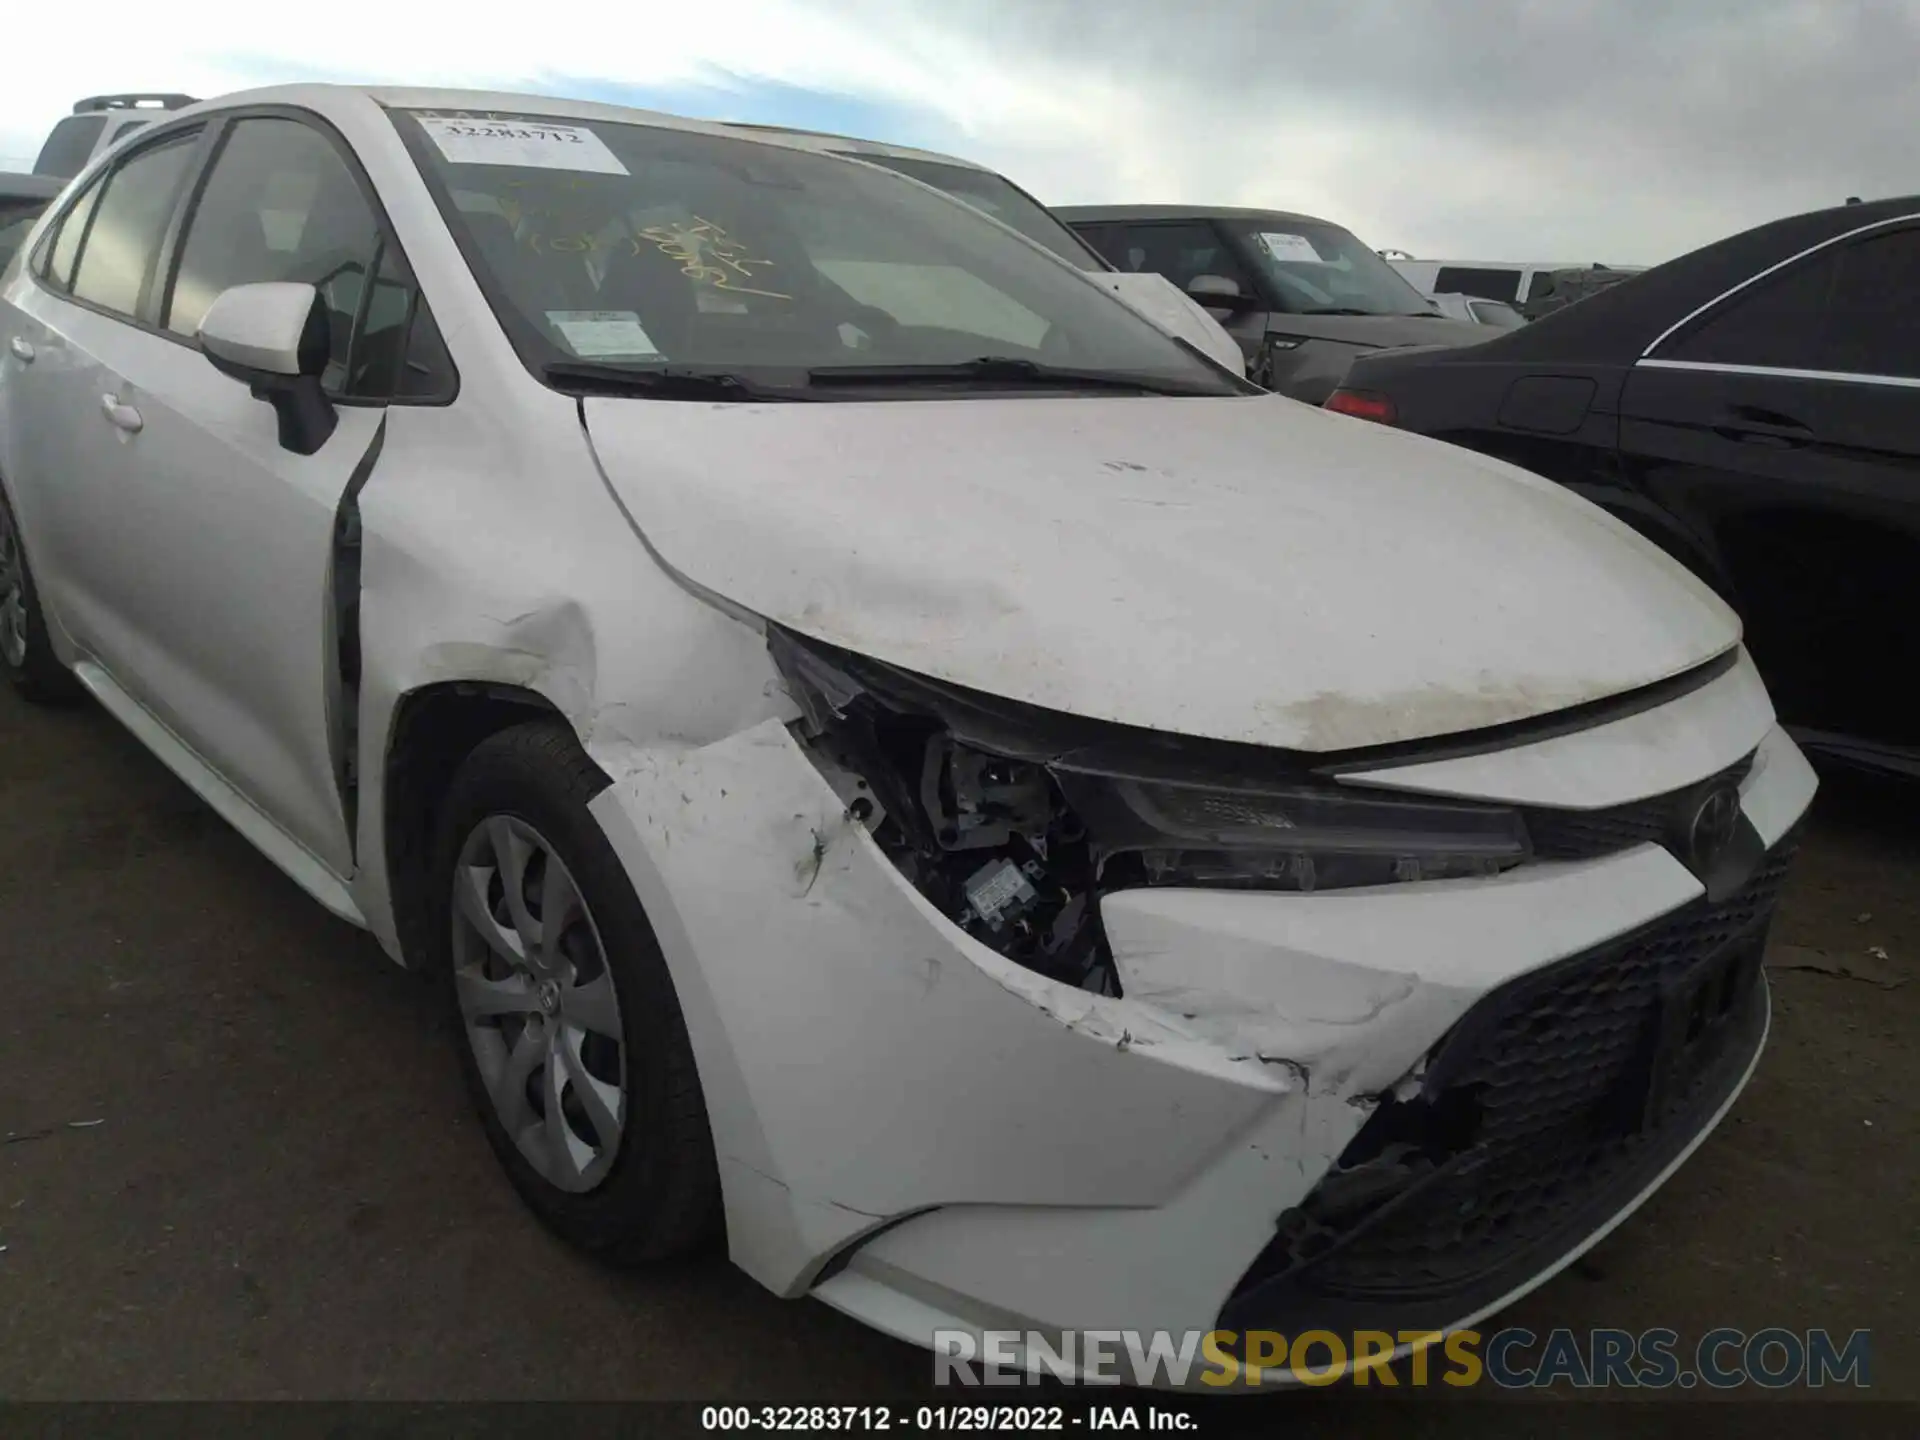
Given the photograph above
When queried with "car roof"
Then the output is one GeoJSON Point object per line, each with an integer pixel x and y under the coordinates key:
{"type": "Point", "coordinates": [1514, 264]}
{"type": "Point", "coordinates": [1620, 322]}
{"type": "Point", "coordinates": [321, 97]}
{"type": "Point", "coordinates": [829, 142]}
{"type": "Point", "coordinates": [515, 102]}
{"type": "Point", "coordinates": [1072, 213]}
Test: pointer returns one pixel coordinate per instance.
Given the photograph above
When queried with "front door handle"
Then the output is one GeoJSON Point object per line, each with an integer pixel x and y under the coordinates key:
{"type": "Point", "coordinates": [1751, 425]}
{"type": "Point", "coordinates": [123, 416]}
{"type": "Point", "coordinates": [22, 350]}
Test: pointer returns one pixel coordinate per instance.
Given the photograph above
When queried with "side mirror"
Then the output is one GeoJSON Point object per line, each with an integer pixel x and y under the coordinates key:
{"type": "Point", "coordinates": [274, 338]}
{"type": "Point", "coordinates": [1179, 314]}
{"type": "Point", "coordinates": [1214, 287]}
{"type": "Point", "coordinates": [1219, 294]}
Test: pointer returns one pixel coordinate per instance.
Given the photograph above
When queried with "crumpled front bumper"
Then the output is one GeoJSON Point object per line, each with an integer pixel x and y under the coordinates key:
{"type": "Point", "coordinates": [928, 1136]}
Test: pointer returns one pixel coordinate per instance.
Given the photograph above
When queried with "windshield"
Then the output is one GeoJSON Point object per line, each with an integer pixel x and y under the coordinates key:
{"type": "Point", "coordinates": [1000, 198]}
{"type": "Point", "coordinates": [640, 246]}
{"type": "Point", "coordinates": [1314, 268]}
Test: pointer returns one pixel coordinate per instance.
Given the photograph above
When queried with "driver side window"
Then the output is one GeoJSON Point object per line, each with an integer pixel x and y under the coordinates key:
{"type": "Point", "coordinates": [280, 203]}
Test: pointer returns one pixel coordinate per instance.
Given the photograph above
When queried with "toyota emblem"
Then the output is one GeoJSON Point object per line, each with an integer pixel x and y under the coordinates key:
{"type": "Point", "coordinates": [1712, 827]}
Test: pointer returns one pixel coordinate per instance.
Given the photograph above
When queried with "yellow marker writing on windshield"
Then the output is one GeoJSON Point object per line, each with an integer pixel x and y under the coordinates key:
{"type": "Point", "coordinates": [709, 255]}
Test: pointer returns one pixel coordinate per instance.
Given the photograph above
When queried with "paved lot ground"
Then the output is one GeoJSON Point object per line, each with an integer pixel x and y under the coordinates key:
{"type": "Point", "coordinates": [283, 1195]}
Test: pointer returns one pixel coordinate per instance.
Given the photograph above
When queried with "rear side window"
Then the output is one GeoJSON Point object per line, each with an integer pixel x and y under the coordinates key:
{"type": "Point", "coordinates": [60, 248]}
{"type": "Point", "coordinates": [1775, 323]}
{"type": "Point", "coordinates": [66, 150]}
{"type": "Point", "coordinates": [129, 222]}
{"type": "Point", "coordinates": [280, 203]}
{"type": "Point", "coordinates": [1873, 311]}
{"type": "Point", "coordinates": [1487, 283]}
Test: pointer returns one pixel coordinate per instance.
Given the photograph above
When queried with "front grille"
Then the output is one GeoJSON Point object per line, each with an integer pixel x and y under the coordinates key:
{"type": "Point", "coordinates": [1584, 834]}
{"type": "Point", "coordinates": [1550, 1105]}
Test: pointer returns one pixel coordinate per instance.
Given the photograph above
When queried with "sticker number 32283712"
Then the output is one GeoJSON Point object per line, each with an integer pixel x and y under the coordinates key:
{"type": "Point", "coordinates": [530, 144]}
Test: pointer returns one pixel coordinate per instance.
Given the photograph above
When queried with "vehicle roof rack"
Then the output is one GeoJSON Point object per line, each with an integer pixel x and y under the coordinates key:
{"type": "Point", "coordinates": [156, 101]}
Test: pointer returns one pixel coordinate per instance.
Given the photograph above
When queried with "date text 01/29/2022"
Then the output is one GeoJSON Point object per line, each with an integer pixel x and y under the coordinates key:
{"type": "Point", "coordinates": [927, 1419]}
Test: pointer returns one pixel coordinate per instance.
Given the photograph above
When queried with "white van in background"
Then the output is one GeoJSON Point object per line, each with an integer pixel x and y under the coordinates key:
{"type": "Point", "coordinates": [1497, 313]}
{"type": "Point", "coordinates": [1511, 281]}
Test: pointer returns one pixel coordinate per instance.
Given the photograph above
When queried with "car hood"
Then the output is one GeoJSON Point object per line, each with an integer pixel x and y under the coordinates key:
{"type": "Point", "coordinates": [1246, 568]}
{"type": "Point", "coordinates": [1380, 332]}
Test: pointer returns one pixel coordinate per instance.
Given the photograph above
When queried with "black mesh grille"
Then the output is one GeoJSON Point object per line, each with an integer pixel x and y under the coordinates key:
{"type": "Point", "coordinates": [1550, 1104]}
{"type": "Point", "coordinates": [1584, 834]}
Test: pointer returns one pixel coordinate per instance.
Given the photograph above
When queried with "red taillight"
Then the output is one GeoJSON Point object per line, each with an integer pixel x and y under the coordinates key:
{"type": "Point", "coordinates": [1362, 405]}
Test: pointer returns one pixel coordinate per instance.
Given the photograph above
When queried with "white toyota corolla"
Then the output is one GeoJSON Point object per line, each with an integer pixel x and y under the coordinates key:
{"type": "Point", "coordinates": [888, 752]}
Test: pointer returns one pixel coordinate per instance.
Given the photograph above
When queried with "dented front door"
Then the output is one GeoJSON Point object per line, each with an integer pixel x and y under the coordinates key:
{"type": "Point", "coordinates": [213, 555]}
{"type": "Point", "coordinates": [219, 553]}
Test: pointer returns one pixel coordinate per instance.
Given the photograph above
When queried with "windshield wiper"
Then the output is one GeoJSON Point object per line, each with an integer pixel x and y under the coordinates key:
{"type": "Point", "coordinates": [1002, 369]}
{"type": "Point", "coordinates": [661, 382]}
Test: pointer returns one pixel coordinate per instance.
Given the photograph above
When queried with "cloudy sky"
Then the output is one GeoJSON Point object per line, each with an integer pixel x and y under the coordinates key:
{"type": "Point", "coordinates": [1622, 131]}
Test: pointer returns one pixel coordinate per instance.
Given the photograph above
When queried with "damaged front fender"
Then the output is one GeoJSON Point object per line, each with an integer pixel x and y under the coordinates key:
{"type": "Point", "coordinates": [863, 1057]}
{"type": "Point", "coordinates": [858, 1050]}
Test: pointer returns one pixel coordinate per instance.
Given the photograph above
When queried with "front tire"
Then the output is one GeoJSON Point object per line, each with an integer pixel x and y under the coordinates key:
{"type": "Point", "coordinates": [25, 652]}
{"type": "Point", "coordinates": [569, 1032]}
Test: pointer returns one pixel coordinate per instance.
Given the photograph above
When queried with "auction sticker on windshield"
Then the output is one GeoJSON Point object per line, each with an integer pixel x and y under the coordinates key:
{"type": "Point", "coordinates": [1288, 247]}
{"type": "Point", "coordinates": [530, 144]}
{"type": "Point", "coordinates": [604, 334]}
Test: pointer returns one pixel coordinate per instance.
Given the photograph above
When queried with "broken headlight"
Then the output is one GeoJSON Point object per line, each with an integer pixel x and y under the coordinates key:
{"type": "Point", "coordinates": [1014, 822]}
{"type": "Point", "coordinates": [1307, 836]}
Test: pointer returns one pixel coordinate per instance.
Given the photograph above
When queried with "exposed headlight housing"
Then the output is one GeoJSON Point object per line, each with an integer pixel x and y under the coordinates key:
{"type": "Point", "coordinates": [1015, 822]}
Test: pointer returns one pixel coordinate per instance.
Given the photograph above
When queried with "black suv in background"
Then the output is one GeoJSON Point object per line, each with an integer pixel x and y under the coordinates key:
{"type": "Point", "coordinates": [1302, 296]}
{"type": "Point", "coordinates": [1754, 409]}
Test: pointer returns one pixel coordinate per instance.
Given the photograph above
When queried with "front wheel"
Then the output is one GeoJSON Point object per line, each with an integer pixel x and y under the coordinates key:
{"type": "Point", "coordinates": [31, 666]}
{"type": "Point", "coordinates": [569, 1031]}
